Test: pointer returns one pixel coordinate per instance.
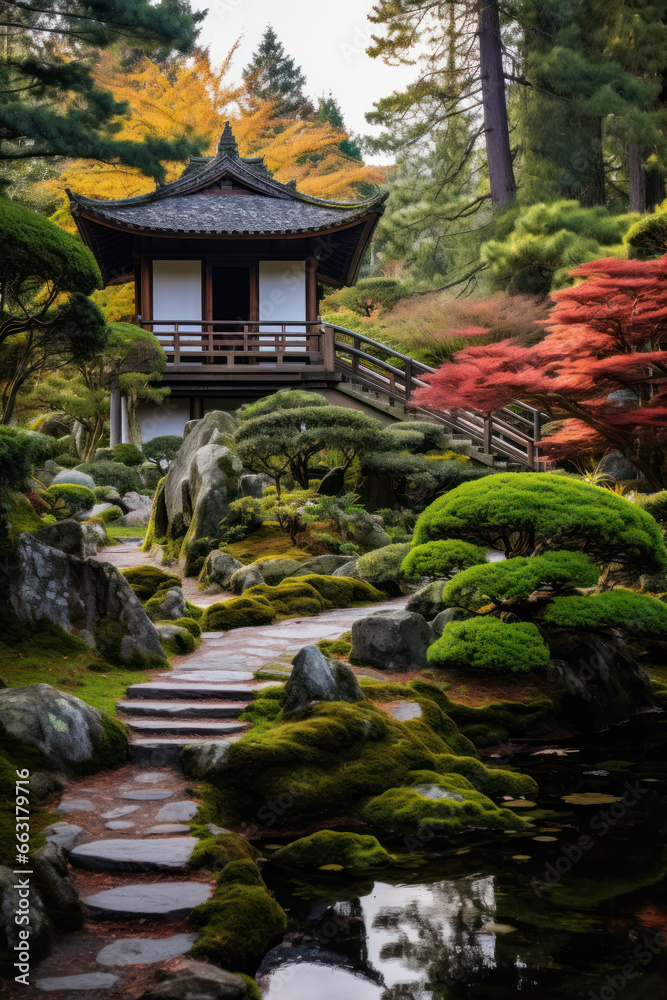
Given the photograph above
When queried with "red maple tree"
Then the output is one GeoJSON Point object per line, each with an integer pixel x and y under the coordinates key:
{"type": "Point", "coordinates": [601, 370]}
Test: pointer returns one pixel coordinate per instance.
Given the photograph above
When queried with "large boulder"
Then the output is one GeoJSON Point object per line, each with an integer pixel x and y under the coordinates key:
{"type": "Point", "coordinates": [78, 593]}
{"type": "Point", "coordinates": [68, 536]}
{"type": "Point", "coordinates": [174, 605]}
{"type": "Point", "coordinates": [246, 577]}
{"type": "Point", "coordinates": [56, 888]}
{"type": "Point", "coordinates": [315, 678]}
{"type": "Point", "coordinates": [197, 981]}
{"type": "Point", "coordinates": [135, 518]}
{"type": "Point", "coordinates": [68, 732]}
{"type": "Point", "coordinates": [348, 569]}
{"type": "Point", "coordinates": [617, 466]}
{"type": "Point", "coordinates": [321, 565]}
{"type": "Point", "coordinates": [137, 501]}
{"type": "Point", "coordinates": [95, 536]}
{"type": "Point", "coordinates": [74, 477]}
{"type": "Point", "coordinates": [201, 483]}
{"type": "Point", "coordinates": [274, 571]}
{"type": "Point", "coordinates": [428, 601]}
{"type": "Point", "coordinates": [253, 484]}
{"type": "Point", "coordinates": [218, 569]}
{"type": "Point", "coordinates": [391, 640]}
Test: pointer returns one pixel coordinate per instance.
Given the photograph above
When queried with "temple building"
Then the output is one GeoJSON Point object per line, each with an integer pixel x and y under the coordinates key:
{"type": "Point", "coordinates": [229, 267]}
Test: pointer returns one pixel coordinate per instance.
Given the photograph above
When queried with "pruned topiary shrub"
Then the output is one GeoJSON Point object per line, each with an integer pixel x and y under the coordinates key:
{"type": "Point", "coordinates": [127, 454]}
{"type": "Point", "coordinates": [121, 477]}
{"type": "Point", "coordinates": [638, 615]}
{"type": "Point", "coordinates": [487, 646]}
{"type": "Point", "coordinates": [383, 567]}
{"type": "Point", "coordinates": [110, 515]}
{"type": "Point", "coordinates": [654, 504]}
{"type": "Point", "coordinates": [442, 558]}
{"type": "Point", "coordinates": [147, 581]}
{"type": "Point", "coordinates": [354, 851]}
{"type": "Point", "coordinates": [240, 612]}
{"type": "Point", "coordinates": [65, 499]}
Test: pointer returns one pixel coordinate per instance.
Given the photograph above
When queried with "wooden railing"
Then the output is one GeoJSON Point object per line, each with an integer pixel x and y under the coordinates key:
{"type": "Point", "coordinates": [513, 431]}
{"type": "Point", "coordinates": [240, 342]}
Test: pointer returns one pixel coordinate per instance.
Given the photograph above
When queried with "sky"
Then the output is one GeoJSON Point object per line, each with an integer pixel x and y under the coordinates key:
{"type": "Point", "coordinates": [327, 39]}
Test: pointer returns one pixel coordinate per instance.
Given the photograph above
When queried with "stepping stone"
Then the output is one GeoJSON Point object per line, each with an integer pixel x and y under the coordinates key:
{"type": "Point", "coordinates": [406, 710]}
{"type": "Point", "coordinates": [119, 824]}
{"type": "Point", "coordinates": [177, 812]}
{"type": "Point", "coordinates": [168, 828]}
{"type": "Point", "coordinates": [169, 691]}
{"type": "Point", "coordinates": [148, 752]}
{"type": "Point", "coordinates": [184, 709]}
{"type": "Point", "coordinates": [76, 805]}
{"type": "Point", "coordinates": [86, 981]}
{"type": "Point", "coordinates": [185, 728]}
{"type": "Point", "coordinates": [146, 795]}
{"type": "Point", "coordinates": [143, 951]}
{"type": "Point", "coordinates": [63, 834]}
{"type": "Point", "coordinates": [152, 901]}
{"type": "Point", "coordinates": [133, 855]}
{"type": "Point", "coordinates": [149, 777]}
{"type": "Point", "coordinates": [119, 811]}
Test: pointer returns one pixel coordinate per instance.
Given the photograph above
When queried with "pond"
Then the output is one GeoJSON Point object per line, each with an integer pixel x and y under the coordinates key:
{"type": "Point", "coordinates": [575, 908]}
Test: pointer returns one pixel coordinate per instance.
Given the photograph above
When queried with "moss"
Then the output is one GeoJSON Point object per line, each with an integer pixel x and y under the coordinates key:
{"type": "Point", "coordinates": [67, 498]}
{"type": "Point", "coordinates": [341, 591]}
{"type": "Point", "coordinates": [109, 635]}
{"type": "Point", "coordinates": [181, 643]}
{"type": "Point", "coordinates": [216, 851]}
{"type": "Point", "coordinates": [240, 612]}
{"type": "Point", "coordinates": [354, 851]}
{"type": "Point", "coordinates": [294, 596]}
{"type": "Point", "coordinates": [337, 647]}
{"type": "Point", "coordinates": [241, 920]}
{"type": "Point", "coordinates": [326, 761]}
{"type": "Point", "coordinates": [264, 711]}
{"type": "Point", "coordinates": [191, 625]}
{"type": "Point", "coordinates": [111, 754]}
{"type": "Point", "coordinates": [268, 542]}
{"type": "Point", "coordinates": [150, 537]}
{"type": "Point", "coordinates": [443, 805]}
{"type": "Point", "coordinates": [110, 515]}
{"type": "Point", "coordinates": [252, 989]}
{"type": "Point", "coordinates": [21, 516]}
{"type": "Point", "coordinates": [147, 581]}
{"type": "Point", "coordinates": [194, 611]}
{"type": "Point", "coordinates": [489, 646]}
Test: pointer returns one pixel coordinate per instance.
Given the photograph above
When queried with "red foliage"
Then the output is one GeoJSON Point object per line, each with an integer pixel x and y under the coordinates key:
{"type": "Point", "coordinates": [602, 368]}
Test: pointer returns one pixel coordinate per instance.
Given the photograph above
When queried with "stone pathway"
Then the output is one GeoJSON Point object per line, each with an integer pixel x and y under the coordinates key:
{"type": "Point", "coordinates": [126, 832]}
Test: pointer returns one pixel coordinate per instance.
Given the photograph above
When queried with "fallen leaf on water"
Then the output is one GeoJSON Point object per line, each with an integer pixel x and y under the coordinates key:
{"type": "Point", "coordinates": [499, 928]}
{"type": "Point", "coordinates": [331, 868]}
{"type": "Point", "coordinates": [521, 857]}
{"type": "Point", "coordinates": [520, 804]}
{"type": "Point", "coordinates": [590, 799]}
{"type": "Point", "coordinates": [546, 840]}
{"type": "Point", "coordinates": [555, 753]}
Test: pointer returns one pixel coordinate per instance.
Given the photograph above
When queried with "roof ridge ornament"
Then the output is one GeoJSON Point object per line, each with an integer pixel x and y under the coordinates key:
{"type": "Point", "coordinates": [227, 145]}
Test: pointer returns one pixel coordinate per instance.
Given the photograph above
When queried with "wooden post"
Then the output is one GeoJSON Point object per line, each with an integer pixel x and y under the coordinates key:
{"type": "Point", "coordinates": [408, 378]}
{"type": "Point", "coordinates": [115, 418]}
{"type": "Point", "coordinates": [488, 433]}
{"type": "Point", "coordinates": [329, 348]}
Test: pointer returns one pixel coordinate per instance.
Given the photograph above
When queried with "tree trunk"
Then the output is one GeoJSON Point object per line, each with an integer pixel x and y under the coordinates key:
{"type": "Point", "coordinates": [589, 164]}
{"type": "Point", "coordinates": [496, 130]}
{"type": "Point", "coordinates": [655, 188]}
{"type": "Point", "coordinates": [637, 177]}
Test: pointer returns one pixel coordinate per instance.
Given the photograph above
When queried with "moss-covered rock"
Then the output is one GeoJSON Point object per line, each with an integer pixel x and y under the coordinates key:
{"type": "Point", "coordinates": [157, 524]}
{"type": "Point", "coordinates": [353, 851]}
{"type": "Point", "coordinates": [290, 598]}
{"type": "Point", "coordinates": [240, 612]}
{"type": "Point", "coordinates": [428, 602]}
{"type": "Point", "coordinates": [215, 850]}
{"type": "Point", "coordinates": [440, 804]}
{"type": "Point", "coordinates": [241, 920]}
{"type": "Point", "coordinates": [191, 625]}
{"type": "Point", "coordinates": [147, 581]}
{"type": "Point", "coordinates": [176, 641]}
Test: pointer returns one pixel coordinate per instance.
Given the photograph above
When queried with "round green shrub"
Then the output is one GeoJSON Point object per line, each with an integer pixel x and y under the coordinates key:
{"type": "Point", "coordinates": [127, 454]}
{"type": "Point", "coordinates": [74, 498]}
{"type": "Point", "coordinates": [110, 515]}
{"type": "Point", "coordinates": [640, 615]}
{"type": "Point", "coordinates": [518, 511]}
{"type": "Point", "coordinates": [487, 646]}
{"type": "Point", "coordinates": [383, 565]}
{"type": "Point", "coordinates": [163, 449]}
{"type": "Point", "coordinates": [654, 504]}
{"type": "Point", "coordinates": [68, 461]}
{"type": "Point", "coordinates": [19, 452]}
{"type": "Point", "coordinates": [648, 237]}
{"type": "Point", "coordinates": [121, 477]}
{"type": "Point", "coordinates": [442, 558]}
{"type": "Point", "coordinates": [240, 612]}
{"type": "Point", "coordinates": [147, 581]}
{"type": "Point", "coordinates": [191, 625]}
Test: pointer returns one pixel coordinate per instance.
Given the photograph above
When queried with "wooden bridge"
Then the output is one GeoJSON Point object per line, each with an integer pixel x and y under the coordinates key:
{"type": "Point", "coordinates": [257, 353]}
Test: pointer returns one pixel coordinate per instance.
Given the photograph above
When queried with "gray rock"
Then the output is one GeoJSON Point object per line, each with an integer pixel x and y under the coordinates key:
{"type": "Point", "coordinates": [323, 565]}
{"type": "Point", "coordinates": [95, 535]}
{"type": "Point", "coordinates": [218, 568]}
{"type": "Point", "coordinates": [406, 710]}
{"type": "Point", "coordinates": [145, 951]}
{"type": "Point", "coordinates": [149, 777]}
{"type": "Point", "coordinates": [244, 578]}
{"type": "Point", "coordinates": [86, 981]}
{"type": "Point", "coordinates": [66, 730]}
{"type": "Point", "coordinates": [151, 900]}
{"type": "Point", "coordinates": [76, 805]}
{"type": "Point", "coordinates": [119, 824]}
{"type": "Point", "coordinates": [197, 981]}
{"type": "Point", "coordinates": [83, 593]}
{"type": "Point", "coordinates": [134, 855]}
{"type": "Point", "coordinates": [63, 835]}
{"type": "Point", "coordinates": [174, 605]}
{"type": "Point", "coordinates": [119, 811]}
{"type": "Point", "coordinates": [56, 889]}
{"type": "Point", "coordinates": [67, 536]}
{"type": "Point", "coordinates": [315, 678]}
{"type": "Point", "coordinates": [171, 633]}
{"type": "Point", "coordinates": [274, 571]}
{"type": "Point", "coordinates": [619, 467]}
{"type": "Point", "coordinates": [94, 511]}
{"type": "Point", "coordinates": [434, 792]}
{"type": "Point", "coordinates": [428, 601]}
{"type": "Point", "coordinates": [41, 932]}
{"type": "Point", "coordinates": [146, 795]}
{"type": "Point", "coordinates": [177, 812]}
{"type": "Point", "coordinates": [253, 484]}
{"type": "Point", "coordinates": [391, 640]}
{"type": "Point", "coordinates": [201, 760]}
{"type": "Point", "coordinates": [447, 616]}
{"type": "Point", "coordinates": [347, 569]}
{"type": "Point", "coordinates": [167, 828]}
{"type": "Point", "coordinates": [45, 784]}
{"type": "Point", "coordinates": [137, 501]}
{"type": "Point", "coordinates": [88, 638]}
{"type": "Point", "coordinates": [75, 477]}
{"type": "Point", "coordinates": [135, 518]}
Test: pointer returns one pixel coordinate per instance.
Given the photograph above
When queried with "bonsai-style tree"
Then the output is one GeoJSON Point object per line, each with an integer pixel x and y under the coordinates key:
{"type": "Point", "coordinates": [601, 369]}
{"type": "Point", "coordinates": [559, 535]}
{"type": "Point", "coordinates": [277, 438]}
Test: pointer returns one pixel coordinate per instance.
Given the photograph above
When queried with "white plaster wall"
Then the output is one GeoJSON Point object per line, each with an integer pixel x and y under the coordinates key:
{"type": "Point", "coordinates": [282, 295]}
{"type": "Point", "coordinates": [177, 292]}
{"type": "Point", "coordinates": [168, 417]}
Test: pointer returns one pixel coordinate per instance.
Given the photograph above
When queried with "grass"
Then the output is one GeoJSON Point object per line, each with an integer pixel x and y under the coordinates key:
{"type": "Point", "coordinates": [269, 542]}
{"type": "Point", "coordinates": [118, 531]}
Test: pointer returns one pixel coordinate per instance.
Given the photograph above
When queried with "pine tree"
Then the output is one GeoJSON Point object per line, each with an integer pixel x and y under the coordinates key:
{"type": "Point", "coordinates": [329, 111]}
{"type": "Point", "coordinates": [50, 102]}
{"type": "Point", "coordinates": [272, 75]}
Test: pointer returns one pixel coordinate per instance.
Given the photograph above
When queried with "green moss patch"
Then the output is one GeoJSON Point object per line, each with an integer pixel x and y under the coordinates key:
{"type": "Point", "coordinates": [354, 851]}
{"type": "Point", "coordinates": [214, 851]}
{"type": "Point", "coordinates": [147, 581]}
{"type": "Point", "coordinates": [268, 542]}
{"type": "Point", "coordinates": [240, 612]}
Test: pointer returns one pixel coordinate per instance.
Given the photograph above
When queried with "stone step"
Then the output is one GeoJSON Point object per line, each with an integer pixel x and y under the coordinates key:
{"type": "Point", "coordinates": [164, 690]}
{"type": "Point", "coordinates": [151, 752]}
{"type": "Point", "coordinates": [194, 727]}
{"type": "Point", "coordinates": [135, 855]}
{"type": "Point", "coordinates": [183, 709]}
{"type": "Point", "coordinates": [149, 900]}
